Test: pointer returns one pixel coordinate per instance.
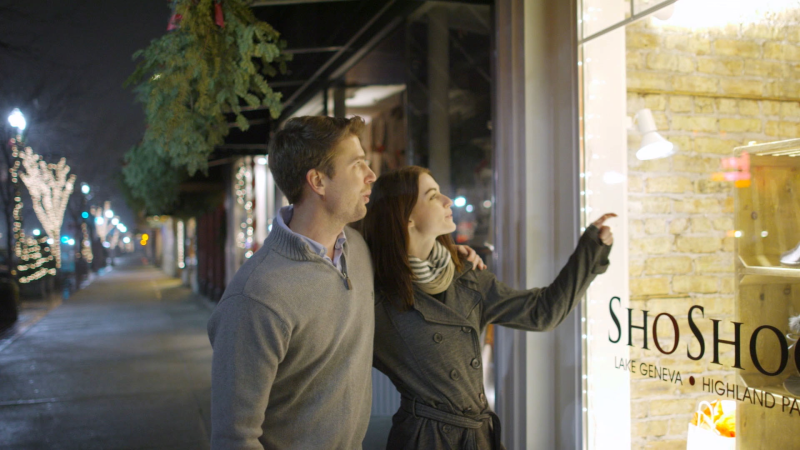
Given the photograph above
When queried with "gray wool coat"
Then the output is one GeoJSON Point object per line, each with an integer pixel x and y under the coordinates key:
{"type": "Point", "coordinates": [432, 353]}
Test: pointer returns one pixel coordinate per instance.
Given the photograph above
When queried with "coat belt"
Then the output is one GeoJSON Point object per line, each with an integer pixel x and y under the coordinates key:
{"type": "Point", "coordinates": [471, 423]}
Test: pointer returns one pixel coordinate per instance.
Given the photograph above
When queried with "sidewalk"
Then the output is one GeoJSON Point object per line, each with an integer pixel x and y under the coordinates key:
{"type": "Point", "coordinates": [122, 364]}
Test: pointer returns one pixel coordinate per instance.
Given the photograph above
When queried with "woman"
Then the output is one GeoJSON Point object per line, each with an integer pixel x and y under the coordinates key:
{"type": "Point", "coordinates": [431, 308]}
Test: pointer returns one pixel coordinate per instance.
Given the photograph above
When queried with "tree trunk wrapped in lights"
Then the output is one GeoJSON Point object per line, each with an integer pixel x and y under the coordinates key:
{"type": "Point", "coordinates": [50, 186]}
{"type": "Point", "coordinates": [33, 255]}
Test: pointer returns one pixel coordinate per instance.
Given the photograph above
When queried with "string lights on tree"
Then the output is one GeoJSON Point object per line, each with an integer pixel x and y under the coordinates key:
{"type": "Point", "coordinates": [34, 256]}
{"type": "Point", "coordinates": [244, 197]}
{"type": "Point", "coordinates": [50, 186]}
{"type": "Point", "coordinates": [86, 244]}
{"type": "Point", "coordinates": [102, 224]}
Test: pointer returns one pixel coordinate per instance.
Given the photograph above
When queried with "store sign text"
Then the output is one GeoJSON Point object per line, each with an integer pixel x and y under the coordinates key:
{"type": "Point", "coordinates": [669, 348]}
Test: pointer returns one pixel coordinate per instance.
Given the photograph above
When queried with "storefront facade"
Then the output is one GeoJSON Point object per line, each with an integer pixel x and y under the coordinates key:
{"type": "Point", "coordinates": [539, 117]}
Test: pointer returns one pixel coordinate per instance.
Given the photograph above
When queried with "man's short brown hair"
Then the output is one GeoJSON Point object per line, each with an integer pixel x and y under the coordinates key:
{"type": "Point", "coordinates": [307, 143]}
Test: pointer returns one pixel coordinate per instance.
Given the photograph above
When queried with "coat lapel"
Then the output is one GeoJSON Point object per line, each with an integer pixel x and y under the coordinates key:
{"type": "Point", "coordinates": [458, 302]}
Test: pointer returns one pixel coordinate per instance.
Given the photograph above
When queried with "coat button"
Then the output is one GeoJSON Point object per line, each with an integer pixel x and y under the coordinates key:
{"type": "Point", "coordinates": [446, 428]}
{"type": "Point", "coordinates": [476, 363]}
{"type": "Point", "coordinates": [466, 329]}
{"type": "Point", "coordinates": [482, 397]}
{"type": "Point", "coordinates": [437, 337]}
{"type": "Point", "coordinates": [455, 375]}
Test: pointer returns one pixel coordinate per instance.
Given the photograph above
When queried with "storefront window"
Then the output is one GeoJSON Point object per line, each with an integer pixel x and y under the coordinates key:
{"type": "Point", "coordinates": [688, 120]}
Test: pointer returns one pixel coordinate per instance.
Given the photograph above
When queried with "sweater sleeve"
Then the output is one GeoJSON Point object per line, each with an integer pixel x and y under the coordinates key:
{"type": "Point", "coordinates": [541, 309]}
{"type": "Point", "coordinates": [249, 341]}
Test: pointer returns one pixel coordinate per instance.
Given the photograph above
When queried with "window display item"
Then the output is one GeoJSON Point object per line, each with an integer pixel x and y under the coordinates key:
{"type": "Point", "coordinates": [713, 426]}
{"type": "Point", "coordinates": [792, 384]}
{"type": "Point", "coordinates": [767, 290]}
{"type": "Point", "coordinates": [792, 257]}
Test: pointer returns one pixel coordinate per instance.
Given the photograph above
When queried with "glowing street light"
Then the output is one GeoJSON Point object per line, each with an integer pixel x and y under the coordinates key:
{"type": "Point", "coordinates": [99, 220]}
{"type": "Point", "coordinates": [460, 202]}
{"type": "Point", "coordinates": [37, 232]}
{"type": "Point", "coordinates": [85, 188]}
{"type": "Point", "coordinates": [126, 240]}
{"type": "Point", "coordinates": [109, 213]}
{"type": "Point", "coordinates": [17, 120]}
{"type": "Point", "coordinates": [114, 221]}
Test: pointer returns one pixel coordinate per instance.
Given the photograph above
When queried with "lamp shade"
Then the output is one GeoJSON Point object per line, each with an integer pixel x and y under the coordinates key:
{"type": "Point", "coordinates": [653, 146]}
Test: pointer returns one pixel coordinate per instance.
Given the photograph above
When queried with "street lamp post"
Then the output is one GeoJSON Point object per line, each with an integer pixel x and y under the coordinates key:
{"type": "Point", "coordinates": [17, 120]}
{"type": "Point", "coordinates": [9, 292]}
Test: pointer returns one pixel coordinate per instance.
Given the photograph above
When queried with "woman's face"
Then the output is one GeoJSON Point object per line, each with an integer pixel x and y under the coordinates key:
{"type": "Point", "coordinates": [431, 216]}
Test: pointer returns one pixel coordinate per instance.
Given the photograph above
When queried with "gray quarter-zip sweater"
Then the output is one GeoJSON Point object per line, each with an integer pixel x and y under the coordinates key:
{"type": "Point", "coordinates": [292, 340]}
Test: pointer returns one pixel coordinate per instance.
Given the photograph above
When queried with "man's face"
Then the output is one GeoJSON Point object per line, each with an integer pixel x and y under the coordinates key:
{"type": "Point", "coordinates": [347, 193]}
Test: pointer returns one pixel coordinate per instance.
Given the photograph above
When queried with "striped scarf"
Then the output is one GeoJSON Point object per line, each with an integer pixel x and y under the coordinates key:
{"type": "Point", "coordinates": [435, 274]}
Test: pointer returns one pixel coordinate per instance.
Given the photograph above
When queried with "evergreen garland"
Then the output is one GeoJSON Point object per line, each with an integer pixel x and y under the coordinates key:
{"type": "Point", "coordinates": [189, 79]}
{"type": "Point", "coordinates": [151, 180]}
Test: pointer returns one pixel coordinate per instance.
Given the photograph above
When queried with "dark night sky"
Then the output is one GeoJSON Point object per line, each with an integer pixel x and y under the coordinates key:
{"type": "Point", "coordinates": [67, 78]}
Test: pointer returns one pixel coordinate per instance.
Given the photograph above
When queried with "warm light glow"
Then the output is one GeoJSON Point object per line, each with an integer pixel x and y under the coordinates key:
{"type": "Point", "coordinates": [718, 13]}
{"type": "Point", "coordinates": [145, 237]}
{"type": "Point", "coordinates": [181, 238]}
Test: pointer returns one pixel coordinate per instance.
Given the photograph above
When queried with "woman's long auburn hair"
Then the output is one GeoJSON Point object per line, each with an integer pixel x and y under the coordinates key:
{"type": "Point", "coordinates": [385, 229]}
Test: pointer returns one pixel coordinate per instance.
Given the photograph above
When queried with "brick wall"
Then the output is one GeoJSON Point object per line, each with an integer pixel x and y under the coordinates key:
{"type": "Point", "coordinates": [710, 91]}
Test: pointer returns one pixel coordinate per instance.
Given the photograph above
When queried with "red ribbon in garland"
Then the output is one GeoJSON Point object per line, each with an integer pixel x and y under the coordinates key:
{"type": "Point", "coordinates": [219, 19]}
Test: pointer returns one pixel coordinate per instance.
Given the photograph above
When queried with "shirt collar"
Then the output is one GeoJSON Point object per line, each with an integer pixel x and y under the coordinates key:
{"type": "Point", "coordinates": [284, 217]}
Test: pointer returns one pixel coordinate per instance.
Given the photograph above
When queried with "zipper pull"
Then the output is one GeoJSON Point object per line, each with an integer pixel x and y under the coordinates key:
{"type": "Point", "coordinates": [347, 283]}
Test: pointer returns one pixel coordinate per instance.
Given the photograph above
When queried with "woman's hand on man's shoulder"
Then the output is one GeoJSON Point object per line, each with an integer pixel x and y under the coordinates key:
{"type": "Point", "coordinates": [472, 256]}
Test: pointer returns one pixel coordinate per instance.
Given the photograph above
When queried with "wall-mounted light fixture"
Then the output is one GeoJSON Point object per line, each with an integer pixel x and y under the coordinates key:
{"type": "Point", "coordinates": [654, 146]}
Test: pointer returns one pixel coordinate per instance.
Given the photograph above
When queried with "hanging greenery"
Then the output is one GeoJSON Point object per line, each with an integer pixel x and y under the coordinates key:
{"type": "Point", "coordinates": [150, 180]}
{"type": "Point", "coordinates": [214, 62]}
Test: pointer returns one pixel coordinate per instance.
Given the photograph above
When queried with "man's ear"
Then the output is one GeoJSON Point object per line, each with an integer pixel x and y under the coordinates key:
{"type": "Point", "coordinates": [315, 181]}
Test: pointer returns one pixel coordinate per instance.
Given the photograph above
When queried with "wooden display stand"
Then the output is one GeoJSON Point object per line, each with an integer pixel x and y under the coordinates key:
{"type": "Point", "coordinates": [767, 220]}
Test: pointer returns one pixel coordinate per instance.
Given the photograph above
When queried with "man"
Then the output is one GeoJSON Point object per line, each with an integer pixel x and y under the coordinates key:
{"type": "Point", "coordinates": [292, 334]}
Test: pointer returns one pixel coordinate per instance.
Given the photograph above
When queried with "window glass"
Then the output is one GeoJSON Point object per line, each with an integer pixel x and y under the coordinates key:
{"type": "Point", "coordinates": [688, 121]}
